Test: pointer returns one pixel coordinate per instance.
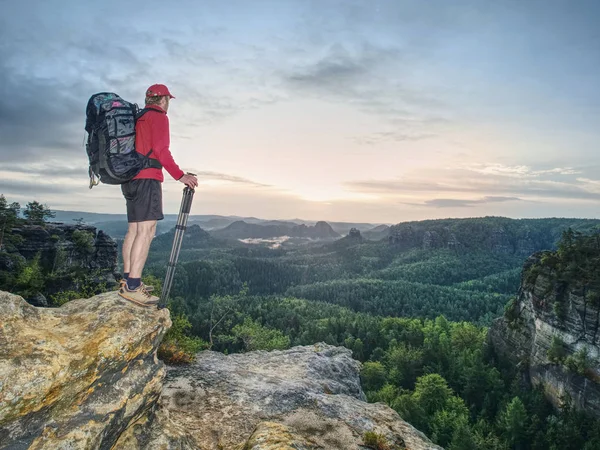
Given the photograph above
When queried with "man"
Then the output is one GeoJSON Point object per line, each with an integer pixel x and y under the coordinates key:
{"type": "Point", "coordinates": [144, 193]}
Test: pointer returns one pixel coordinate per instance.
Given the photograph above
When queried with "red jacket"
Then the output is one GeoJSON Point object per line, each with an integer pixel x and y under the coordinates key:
{"type": "Point", "coordinates": [152, 133]}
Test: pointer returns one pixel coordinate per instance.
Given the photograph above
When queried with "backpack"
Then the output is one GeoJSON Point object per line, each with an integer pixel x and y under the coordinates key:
{"type": "Point", "coordinates": [110, 123]}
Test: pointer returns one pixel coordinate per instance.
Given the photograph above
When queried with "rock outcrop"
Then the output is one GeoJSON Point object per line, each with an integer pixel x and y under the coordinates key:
{"type": "Point", "coordinates": [377, 233]}
{"type": "Point", "coordinates": [547, 311]}
{"type": "Point", "coordinates": [85, 376]}
{"type": "Point", "coordinates": [302, 398]}
{"type": "Point", "coordinates": [99, 253]}
{"type": "Point", "coordinates": [82, 376]}
{"type": "Point", "coordinates": [65, 251]}
{"type": "Point", "coordinates": [501, 235]}
{"type": "Point", "coordinates": [244, 230]}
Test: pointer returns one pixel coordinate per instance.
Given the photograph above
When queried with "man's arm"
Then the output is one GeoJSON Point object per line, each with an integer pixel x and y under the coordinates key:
{"type": "Point", "coordinates": [160, 143]}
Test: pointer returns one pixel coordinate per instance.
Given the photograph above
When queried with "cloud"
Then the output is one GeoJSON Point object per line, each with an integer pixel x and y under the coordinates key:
{"type": "Point", "coordinates": [518, 171]}
{"type": "Point", "coordinates": [34, 187]}
{"type": "Point", "coordinates": [528, 184]}
{"type": "Point", "coordinates": [459, 203]}
{"type": "Point", "coordinates": [367, 75]}
{"type": "Point", "coordinates": [384, 136]}
{"type": "Point", "coordinates": [218, 176]}
{"type": "Point", "coordinates": [45, 170]}
{"type": "Point", "coordinates": [43, 99]}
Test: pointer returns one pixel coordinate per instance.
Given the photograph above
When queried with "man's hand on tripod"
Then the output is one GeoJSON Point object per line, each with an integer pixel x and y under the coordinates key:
{"type": "Point", "coordinates": [189, 180]}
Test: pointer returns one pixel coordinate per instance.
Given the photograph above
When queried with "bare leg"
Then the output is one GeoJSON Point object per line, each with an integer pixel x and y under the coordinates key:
{"type": "Point", "coordinates": [127, 244]}
{"type": "Point", "coordinates": [141, 245]}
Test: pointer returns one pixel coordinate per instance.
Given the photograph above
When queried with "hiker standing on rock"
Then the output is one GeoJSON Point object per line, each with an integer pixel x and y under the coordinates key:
{"type": "Point", "coordinates": [144, 193]}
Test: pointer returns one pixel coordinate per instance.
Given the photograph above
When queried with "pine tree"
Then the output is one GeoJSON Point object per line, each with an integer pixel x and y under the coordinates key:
{"type": "Point", "coordinates": [36, 213]}
{"type": "Point", "coordinates": [513, 423]}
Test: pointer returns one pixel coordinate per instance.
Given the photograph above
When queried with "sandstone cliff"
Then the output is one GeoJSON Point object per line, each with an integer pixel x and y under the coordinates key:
{"type": "Point", "coordinates": [99, 253]}
{"type": "Point", "coordinates": [302, 398]}
{"type": "Point", "coordinates": [65, 252]}
{"type": "Point", "coordinates": [79, 376]}
{"type": "Point", "coordinates": [550, 324]}
{"type": "Point", "coordinates": [85, 376]}
{"type": "Point", "coordinates": [491, 234]}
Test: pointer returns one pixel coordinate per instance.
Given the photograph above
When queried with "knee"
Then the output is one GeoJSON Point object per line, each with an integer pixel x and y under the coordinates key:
{"type": "Point", "coordinates": [147, 229]}
{"type": "Point", "coordinates": [132, 230]}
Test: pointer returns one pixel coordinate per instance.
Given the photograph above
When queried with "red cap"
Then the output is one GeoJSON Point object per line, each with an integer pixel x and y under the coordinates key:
{"type": "Point", "coordinates": [157, 90]}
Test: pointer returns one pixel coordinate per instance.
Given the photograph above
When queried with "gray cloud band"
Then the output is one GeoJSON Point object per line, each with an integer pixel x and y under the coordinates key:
{"type": "Point", "coordinates": [540, 189]}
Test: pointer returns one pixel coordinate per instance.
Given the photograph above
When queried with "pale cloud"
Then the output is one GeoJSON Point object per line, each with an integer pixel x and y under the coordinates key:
{"type": "Point", "coordinates": [217, 176]}
{"type": "Point", "coordinates": [520, 181]}
{"type": "Point", "coordinates": [517, 171]}
{"type": "Point", "coordinates": [461, 203]}
{"type": "Point", "coordinates": [382, 136]}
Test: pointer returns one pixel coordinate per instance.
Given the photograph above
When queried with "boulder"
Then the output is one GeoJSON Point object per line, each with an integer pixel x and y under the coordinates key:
{"type": "Point", "coordinates": [303, 398]}
{"type": "Point", "coordinates": [79, 376]}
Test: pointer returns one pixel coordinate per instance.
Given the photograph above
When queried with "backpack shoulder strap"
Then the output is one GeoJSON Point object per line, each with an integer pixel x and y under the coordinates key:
{"type": "Point", "coordinates": [143, 111]}
{"type": "Point", "coordinates": [149, 162]}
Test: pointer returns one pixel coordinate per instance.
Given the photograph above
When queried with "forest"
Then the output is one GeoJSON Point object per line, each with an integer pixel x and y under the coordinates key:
{"type": "Point", "coordinates": [417, 318]}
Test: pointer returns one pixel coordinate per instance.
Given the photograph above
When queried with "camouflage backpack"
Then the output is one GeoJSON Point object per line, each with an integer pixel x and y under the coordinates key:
{"type": "Point", "coordinates": [110, 123]}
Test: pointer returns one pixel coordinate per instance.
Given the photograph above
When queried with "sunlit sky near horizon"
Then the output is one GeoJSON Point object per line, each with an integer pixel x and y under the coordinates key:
{"type": "Point", "coordinates": [370, 111]}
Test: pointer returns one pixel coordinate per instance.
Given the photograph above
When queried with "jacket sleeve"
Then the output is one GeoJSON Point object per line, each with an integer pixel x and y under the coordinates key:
{"type": "Point", "coordinates": [161, 142]}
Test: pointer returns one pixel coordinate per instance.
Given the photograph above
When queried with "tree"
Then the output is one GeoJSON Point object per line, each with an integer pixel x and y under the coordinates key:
{"type": "Point", "coordinates": [31, 279]}
{"type": "Point", "coordinates": [557, 351]}
{"type": "Point", "coordinates": [463, 439]}
{"type": "Point", "coordinates": [8, 217]}
{"type": "Point", "coordinates": [36, 213]}
{"type": "Point", "coordinates": [432, 393]}
{"type": "Point", "coordinates": [513, 422]}
{"type": "Point", "coordinates": [178, 346]}
{"type": "Point", "coordinates": [223, 306]}
{"type": "Point", "coordinates": [257, 337]}
{"type": "Point", "coordinates": [405, 364]}
{"type": "Point", "coordinates": [373, 375]}
{"type": "Point", "coordinates": [446, 421]}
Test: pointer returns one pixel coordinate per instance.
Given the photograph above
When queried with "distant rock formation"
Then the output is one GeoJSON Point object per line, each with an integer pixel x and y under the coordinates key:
{"type": "Point", "coordinates": [85, 376]}
{"type": "Point", "coordinates": [63, 249]}
{"type": "Point", "coordinates": [323, 230]}
{"type": "Point", "coordinates": [530, 327]}
{"type": "Point", "coordinates": [354, 234]}
{"type": "Point", "coordinates": [306, 398]}
{"type": "Point", "coordinates": [352, 239]}
{"type": "Point", "coordinates": [496, 234]}
{"type": "Point", "coordinates": [377, 233]}
{"type": "Point", "coordinates": [194, 237]}
{"type": "Point", "coordinates": [52, 237]}
{"type": "Point", "coordinates": [243, 230]}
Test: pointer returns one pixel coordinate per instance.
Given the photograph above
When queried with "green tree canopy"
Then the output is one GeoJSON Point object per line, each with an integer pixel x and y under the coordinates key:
{"type": "Point", "coordinates": [36, 213]}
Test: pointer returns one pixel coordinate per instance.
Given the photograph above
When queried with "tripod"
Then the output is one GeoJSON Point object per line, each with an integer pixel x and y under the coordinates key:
{"type": "Point", "coordinates": [184, 211]}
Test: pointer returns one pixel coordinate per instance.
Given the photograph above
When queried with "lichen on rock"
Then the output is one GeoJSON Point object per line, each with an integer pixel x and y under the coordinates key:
{"type": "Point", "coordinates": [306, 397]}
{"type": "Point", "coordinates": [77, 376]}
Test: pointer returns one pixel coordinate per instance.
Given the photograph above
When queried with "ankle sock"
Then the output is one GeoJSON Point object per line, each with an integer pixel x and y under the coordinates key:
{"type": "Point", "coordinates": [125, 275]}
{"type": "Point", "coordinates": [133, 283]}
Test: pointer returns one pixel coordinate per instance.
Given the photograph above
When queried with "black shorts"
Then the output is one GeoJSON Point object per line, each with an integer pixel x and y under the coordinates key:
{"type": "Point", "coordinates": [144, 200]}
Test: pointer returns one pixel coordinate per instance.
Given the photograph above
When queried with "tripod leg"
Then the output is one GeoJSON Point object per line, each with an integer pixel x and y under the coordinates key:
{"type": "Point", "coordinates": [186, 204]}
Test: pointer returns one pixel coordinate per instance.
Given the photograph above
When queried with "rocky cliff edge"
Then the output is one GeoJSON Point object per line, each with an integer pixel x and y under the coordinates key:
{"type": "Point", "coordinates": [85, 376]}
{"type": "Point", "coordinates": [552, 331]}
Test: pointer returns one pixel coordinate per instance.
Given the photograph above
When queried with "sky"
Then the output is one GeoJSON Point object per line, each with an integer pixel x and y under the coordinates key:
{"type": "Point", "coordinates": [378, 111]}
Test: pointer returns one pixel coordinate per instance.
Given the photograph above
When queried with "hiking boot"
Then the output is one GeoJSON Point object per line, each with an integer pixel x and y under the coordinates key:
{"type": "Point", "coordinates": [124, 282]}
{"type": "Point", "coordinates": [140, 296]}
